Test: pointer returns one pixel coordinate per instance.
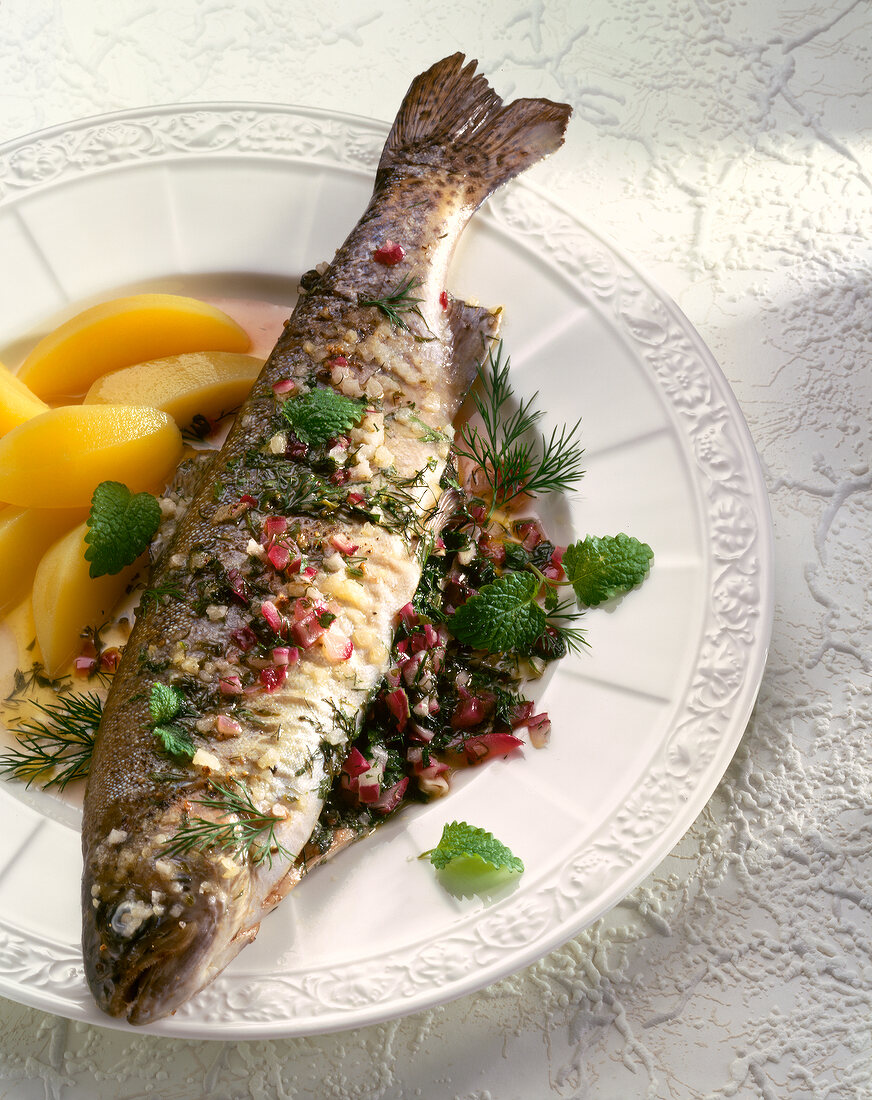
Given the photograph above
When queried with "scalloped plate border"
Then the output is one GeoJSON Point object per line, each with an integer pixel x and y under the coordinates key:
{"type": "Point", "coordinates": [730, 662]}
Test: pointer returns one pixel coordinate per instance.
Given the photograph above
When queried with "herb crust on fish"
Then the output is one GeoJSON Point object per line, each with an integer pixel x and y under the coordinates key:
{"type": "Point", "coordinates": [239, 692]}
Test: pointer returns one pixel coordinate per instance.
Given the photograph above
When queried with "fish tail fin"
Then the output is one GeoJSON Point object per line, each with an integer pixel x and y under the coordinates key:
{"type": "Point", "coordinates": [452, 118]}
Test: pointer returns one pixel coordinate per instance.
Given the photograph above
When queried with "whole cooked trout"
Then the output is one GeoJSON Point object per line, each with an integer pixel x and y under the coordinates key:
{"type": "Point", "coordinates": [272, 607]}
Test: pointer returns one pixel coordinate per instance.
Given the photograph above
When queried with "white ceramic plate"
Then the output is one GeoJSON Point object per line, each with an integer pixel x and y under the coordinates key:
{"type": "Point", "coordinates": [240, 200]}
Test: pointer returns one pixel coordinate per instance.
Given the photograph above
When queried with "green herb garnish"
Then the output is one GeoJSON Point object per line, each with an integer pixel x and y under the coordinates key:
{"type": "Point", "coordinates": [175, 741]}
{"type": "Point", "coordinates": [512, 464]}
{"type": "Point", "coordinates": [121, 524]}
{"type": "Point", "coordinates": [321, 414]}
{"type": "Point", "coordinates": [601, 568]}
{"type": "Point", "coordinates": [166, 703]}
{"type": "Point", "coordinates": [56, 749]}
{"type": "Point", "coordinates": [252, 833]}
{"type": "Point", "coordinates": [426, 433]}
{"type": "Point", "coordinates": [503, 616]}
{"type": "Point", "coordinates": [473, 845]}
{"type": "Point", "coordinates": [161, 594]}
{"type": "Point", "coordinates": [400, 302]}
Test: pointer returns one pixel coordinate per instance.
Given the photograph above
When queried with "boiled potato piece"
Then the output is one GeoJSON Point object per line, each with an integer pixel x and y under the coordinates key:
{"type": "Point", "coordinates": [17, 402]}
{"type": "Point", "coordinates": [25, 535]}
{"type": "Point", "coordinates": [56, 460]}
{"type": "Point", "coordinates": [66, 599]}
{"type": "Point", "coordinates": [205, 382]}
{"type": "Point", "coordinates": [121, 332]}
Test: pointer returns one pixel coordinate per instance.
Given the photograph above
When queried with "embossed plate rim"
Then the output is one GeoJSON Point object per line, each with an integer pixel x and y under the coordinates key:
{"type": "Point", "coordinates": [229, 1008]}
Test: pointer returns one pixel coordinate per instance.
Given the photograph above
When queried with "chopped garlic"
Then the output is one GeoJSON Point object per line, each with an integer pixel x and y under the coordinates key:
{"type": "Point", "coordinates": [383, 458]}
{"type": "Point", "coordinates": [204, 759]}
{"type": "Point", "coordinates": [373, 388]}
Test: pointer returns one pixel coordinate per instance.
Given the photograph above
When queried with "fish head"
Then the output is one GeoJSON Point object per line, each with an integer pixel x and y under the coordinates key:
{"type": "Point", "coordinates": [151, 946]}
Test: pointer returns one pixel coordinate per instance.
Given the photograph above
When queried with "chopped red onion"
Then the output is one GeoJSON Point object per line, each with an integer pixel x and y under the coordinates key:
{"type": "Point", "coordinates": [368, 788]}
{"type": "Point", "coordinates": [398, 704]}
{"type": "Point", "coordinates": [479, 747]}
{"type": "Point", "coordinates": [409, 616]}
{"type": "Point", "coordinates": [392, 797]}
{"type": "Point", "coordinates": [389, 254]}
{"type": "Point", "coordinates": [343, 544]}
{"type": "Point", "coordinates": [109, 659]}
{"type": "Point", "coordinates": [244, 637]}
{"type": "Point", "coordinates": [356, 763]}
{"type": "Point", "coordinates": [472, 710]}
{"type": "Point", "coordinates": [273, 677]}
{"type": "Point", "coordinates": [539, 726]}
{"type": "Point", "coordinates": [272, 526]}
{"type": "Point", "coordinates": [275, 620]}
{"type": "Point", "coordinates": [227, 727]}
{"type": "Point", "coordinates": [279, 556]}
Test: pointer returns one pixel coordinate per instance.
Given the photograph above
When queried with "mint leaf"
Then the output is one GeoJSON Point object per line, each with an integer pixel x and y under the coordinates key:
{"type": "Point", "coordinates": [175, 741]}
{"type": "Point", "coordinates": [321, 414]}
{"type": "Point", "coordinates": [120, 527]}
{"type": "Point", "coordinates": [460, 841]}
{"type": "Point", "coordinates": [601, 568]}
{"type": "Point", "coordinates": [165, 702]}
{"type": "Point", "coordinates": [502, 617]}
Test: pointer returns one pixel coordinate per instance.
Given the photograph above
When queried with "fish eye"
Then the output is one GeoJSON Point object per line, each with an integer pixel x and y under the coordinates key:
{"type": "Point", "coordinates": [128, 917]}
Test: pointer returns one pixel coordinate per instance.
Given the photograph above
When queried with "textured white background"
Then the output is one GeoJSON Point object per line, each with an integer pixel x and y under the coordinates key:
{"type": "Point", "coordinates": [727, 145]}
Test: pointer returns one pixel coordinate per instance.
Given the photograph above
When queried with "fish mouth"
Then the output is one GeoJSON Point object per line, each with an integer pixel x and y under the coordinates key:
{"type": "Point", "coordinates": [146, 975]}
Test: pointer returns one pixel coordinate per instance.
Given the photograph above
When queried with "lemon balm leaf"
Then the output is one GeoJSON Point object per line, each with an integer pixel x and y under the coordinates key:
{"type": "Point", "coordinates": [120, 525]}
{"type": "Point", "coordinates": [461, 841]}
{"type": "Point", "coordinates": [175, 741]}
{"type": "Point", "coordinates": [600, 569]}
{"type": "Point", "coordinates": [164, 703]}
{"type": "Point", "coordinates": [321, 414]}
{"type": "Point", "coordinates": [502, 617]}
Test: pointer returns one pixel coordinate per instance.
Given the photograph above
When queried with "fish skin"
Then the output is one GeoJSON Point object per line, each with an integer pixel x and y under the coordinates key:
{"type": "Point", "coordinates": [158, 927]}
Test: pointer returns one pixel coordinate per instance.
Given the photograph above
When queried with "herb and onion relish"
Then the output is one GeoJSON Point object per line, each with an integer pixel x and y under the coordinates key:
{"type": "Point", "coordinates": [445, 704]}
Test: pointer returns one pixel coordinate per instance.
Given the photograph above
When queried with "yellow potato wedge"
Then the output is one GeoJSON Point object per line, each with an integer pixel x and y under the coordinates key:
{"type": "Point", "coordinates": [25, 535]}
{"type": "Point", "coordinates": [120, 333]}
{"type": "Point", "coordinates": [66, 599]}
{"type": "Point", "coordinates": [17, 402]}
{"type": "Point", "coordinates": [56, 460]}
{"type": "Point", "coordinates": [206, 382]}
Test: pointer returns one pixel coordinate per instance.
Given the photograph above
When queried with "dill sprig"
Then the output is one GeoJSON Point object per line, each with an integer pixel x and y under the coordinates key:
{"type": "Point", "coordinates": [396, 506]}
{"type": "Point", "coordinates": [55, 749]}
{"type": "Point", "coordinates": [513, 465]}
{"type": "Point", "coordinates": [560, 618]}
{"type": "Point", "coordinates": [240, 828]}
{"type": "Point", "coordinates": [400, 302]}
{"type": "Point", "coordinates": [160, 594]}
{"type": "Point", "coordinates": [428, 434]}
{"type": "Point", "coordinates": [297, 490]}
{"type": "Point", "coordinates": [343, 720]}
{"type": "Point", "coordinates": [31, 681]}
{"type": "Point", "coordinates": [201, 426]}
